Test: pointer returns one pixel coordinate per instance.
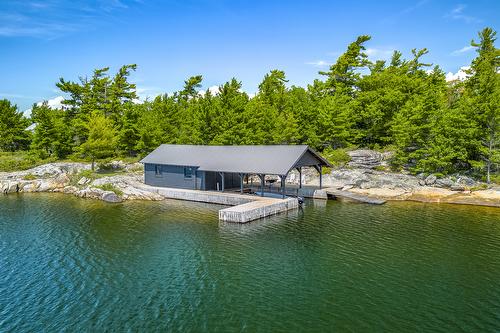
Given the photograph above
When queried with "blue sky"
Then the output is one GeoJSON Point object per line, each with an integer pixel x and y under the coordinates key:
{"type": "Point", "coordinates": [41, 41]}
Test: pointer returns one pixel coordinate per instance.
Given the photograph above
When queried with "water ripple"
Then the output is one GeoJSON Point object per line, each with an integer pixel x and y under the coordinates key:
{"type": "Point", "coordinates": [69, 264]}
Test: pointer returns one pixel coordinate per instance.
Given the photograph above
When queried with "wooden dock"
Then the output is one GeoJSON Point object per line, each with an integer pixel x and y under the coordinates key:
{"type": "Point", "coordinates": [353, 196]}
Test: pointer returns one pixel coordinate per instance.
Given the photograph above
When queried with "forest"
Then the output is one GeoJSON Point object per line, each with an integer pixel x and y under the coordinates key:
{"type": "Point", "coordinates": [403, 105]}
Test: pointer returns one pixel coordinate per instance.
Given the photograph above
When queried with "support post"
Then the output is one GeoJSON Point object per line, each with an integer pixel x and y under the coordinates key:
{"type": "Point", "coordinates": [319, 168]}
{"type": "Point", "coordinates": [283, 185]}
{"type": "Point", "coordinates": [222, 182]}
{"type": "Point", "coordinates": [299, 169]}
{"type": "Point", "coordinates": [320, 177]}
{"type": "Point", "coordinates": [262, 178]}
{"type": "Point", "coordinates": [242, 176]}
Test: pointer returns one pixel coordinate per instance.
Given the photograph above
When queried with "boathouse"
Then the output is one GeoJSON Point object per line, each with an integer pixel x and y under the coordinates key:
{"type": "Point", "coordinates": [217, 168]}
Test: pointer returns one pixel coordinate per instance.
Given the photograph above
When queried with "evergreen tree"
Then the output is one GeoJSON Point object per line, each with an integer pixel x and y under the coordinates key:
{"type": "Point", "coordinates": [483, 90]}
{"type": "Point", "coordinates": [228, 121]}
{"type": "Point", "coordinates": [344, 75]}
{"type": "Point", "coordinates": [51, 134]}
{"type": "Point", "coordinates": [13, 133]}
{"type": "Point", "coordinates": [102, 139]}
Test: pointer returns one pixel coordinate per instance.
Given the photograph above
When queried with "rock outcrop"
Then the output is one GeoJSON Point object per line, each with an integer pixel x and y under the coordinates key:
{"type": "Point", "coordinates": [64, 178]}
{"type": "Point", "coordinates": [368, 159]}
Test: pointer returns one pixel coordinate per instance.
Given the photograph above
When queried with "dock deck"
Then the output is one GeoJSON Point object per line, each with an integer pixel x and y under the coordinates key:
{"type": "Point", "coordinates": [245, 207]}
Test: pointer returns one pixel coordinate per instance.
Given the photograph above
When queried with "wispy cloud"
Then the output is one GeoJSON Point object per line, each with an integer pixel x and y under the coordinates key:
{"type": "Point", "coordinates": [458, 13]}
{"type": "Point", "coordinates": [464, 49]}
{"type": "Point", "coordinates": [319, 63]}
{"type": "Point", "coordinates": [405, 11]}
{"type": "Point", "coordinates": [53, 18]}
{"type": "Point", "coordinates": [383, 53]}
{"type": "Point", "coordinates": [412, 8]}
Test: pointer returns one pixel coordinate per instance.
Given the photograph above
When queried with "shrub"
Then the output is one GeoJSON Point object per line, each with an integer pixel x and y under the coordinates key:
{"type": "Point", "coordinates": [337, 157]}
{"type": "Point", "coordinates": [495, 179]}
{"type": "Point", "coordinates": [110, 187]}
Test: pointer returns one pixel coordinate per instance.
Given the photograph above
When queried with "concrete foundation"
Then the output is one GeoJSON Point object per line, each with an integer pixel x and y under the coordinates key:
{"type": "Point", "coordinates": [246, 207]}
{"type": "Point", "coordinates": [257, 209]}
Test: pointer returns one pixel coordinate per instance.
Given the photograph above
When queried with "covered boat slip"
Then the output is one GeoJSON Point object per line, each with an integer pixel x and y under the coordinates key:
{"type": "Point", "coordinates": [218, 168]}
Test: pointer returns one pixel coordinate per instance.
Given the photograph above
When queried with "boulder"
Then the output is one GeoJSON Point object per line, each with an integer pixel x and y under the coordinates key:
{"type": "Point", "coordinates": [110, 196]}
{"type": "Point", "coordinates": [70, 189]}
{"type": "Point", "coordinates": [365, 159]}
{"type": "Point", "coordinates": [10, 186]}
{"type": "Point", "coordinates": [444, 183]}
{"type": "Point", "coordinates": [83, 181]}
{"type": "Point", "coordinates": [90, 192]}
{"type": "Point", "coordinates": [28, 187]}
{"type": "Point", "coordinates": [458, 187]}
{"type": "Point", "coordinates": [467, 181]}
{"type": "Point", "coordinates": [430, 180]}
{"type": "Point", "coordinates": [47, 185]}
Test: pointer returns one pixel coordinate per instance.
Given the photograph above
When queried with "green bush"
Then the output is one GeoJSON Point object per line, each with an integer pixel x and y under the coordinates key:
{"type": "Point", "coordinates": [495, 179]}
{"type": "Point", "coordinates": [105, 165]}
{"type": "Point", "coordinates": [337, 157]}
{"type": "Point", "coordinates": [110, 187]}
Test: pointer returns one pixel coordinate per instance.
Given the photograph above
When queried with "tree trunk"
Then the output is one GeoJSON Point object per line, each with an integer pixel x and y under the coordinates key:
{"type": "Point", "coordinates": [93, 163]}
{"type": "Point", "coordinates": [488, 163]}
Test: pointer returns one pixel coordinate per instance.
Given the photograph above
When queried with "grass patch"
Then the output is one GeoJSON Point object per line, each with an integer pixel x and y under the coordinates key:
{"type": "Point", "coordinates": [20, 160]}
{"type": "Point", "coordinates": [30, 177]}
{"type": "Point", "coordinates": [381, 168]}
{"type": "Point", "coordinates": [110, 187]}
{"type": "Point", "coordinates": [92, 175]}
{"type": "Point", "coordinates": [479, 187]}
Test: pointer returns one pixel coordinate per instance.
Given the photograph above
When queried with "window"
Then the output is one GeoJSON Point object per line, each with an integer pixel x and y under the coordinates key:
{"type": "Point", "coordinates": [188, 172]}
{"type": "Point", "coordinates": [158, 170]}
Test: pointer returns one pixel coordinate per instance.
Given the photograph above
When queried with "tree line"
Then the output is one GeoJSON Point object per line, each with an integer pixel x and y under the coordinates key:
{"type": "Point", "coordinates": [403, 105]}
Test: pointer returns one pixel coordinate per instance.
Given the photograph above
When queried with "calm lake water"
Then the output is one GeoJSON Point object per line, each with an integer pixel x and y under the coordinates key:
{"type": "Point", "coordinates": [69, 264]}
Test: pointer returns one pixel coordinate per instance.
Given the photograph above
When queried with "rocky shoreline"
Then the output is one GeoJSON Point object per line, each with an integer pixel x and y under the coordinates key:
{"type": "Point", "coordinates": [125, 182]}
{"type": "Point", "coordinates": [72, 178]}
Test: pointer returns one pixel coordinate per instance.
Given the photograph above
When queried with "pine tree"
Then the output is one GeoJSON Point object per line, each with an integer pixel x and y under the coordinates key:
{"type": "Point", "coordinates": [51, 134]}
{"type": "Point", "coordinates": [13, 133]}
{"type": "Point", "coordinates": [102, 139]}
{"type": "Point", "coordinates": [483, 90]}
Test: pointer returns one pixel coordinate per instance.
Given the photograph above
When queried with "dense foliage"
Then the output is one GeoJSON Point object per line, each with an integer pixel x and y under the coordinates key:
{"type": "Point", "coordinates": [404, 105]}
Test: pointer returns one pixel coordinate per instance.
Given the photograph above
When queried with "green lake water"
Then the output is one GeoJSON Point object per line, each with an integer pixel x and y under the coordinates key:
{"type": "Point", "coordinates": [76, 265]}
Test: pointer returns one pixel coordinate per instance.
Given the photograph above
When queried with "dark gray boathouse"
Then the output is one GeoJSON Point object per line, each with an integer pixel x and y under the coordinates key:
{"type": "Point", "coordinates": [225, 167]}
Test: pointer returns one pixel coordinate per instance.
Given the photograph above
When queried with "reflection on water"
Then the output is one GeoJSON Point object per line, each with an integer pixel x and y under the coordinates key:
{"type": "Point", "coordinates": [83, 265]}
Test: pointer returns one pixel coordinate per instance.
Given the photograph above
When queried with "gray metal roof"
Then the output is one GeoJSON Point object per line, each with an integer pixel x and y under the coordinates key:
{"type": "Point", "coordinates": [273, 160]}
